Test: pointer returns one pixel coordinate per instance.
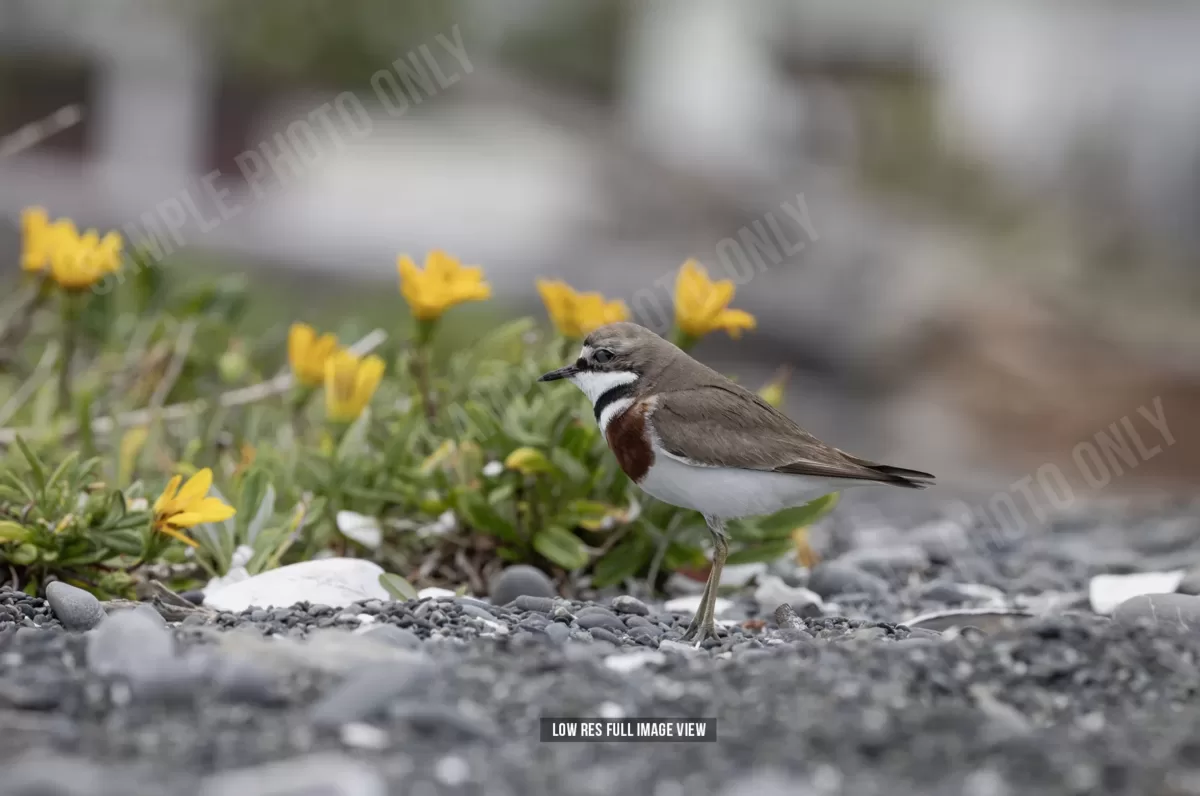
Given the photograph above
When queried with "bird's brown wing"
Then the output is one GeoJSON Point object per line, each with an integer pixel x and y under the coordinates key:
{"type": "Point", "coordinates": [727, 425]}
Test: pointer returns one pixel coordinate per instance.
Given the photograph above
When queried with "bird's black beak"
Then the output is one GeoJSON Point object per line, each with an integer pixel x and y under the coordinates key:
{"type": "Point", "coordinates": [562, 373]}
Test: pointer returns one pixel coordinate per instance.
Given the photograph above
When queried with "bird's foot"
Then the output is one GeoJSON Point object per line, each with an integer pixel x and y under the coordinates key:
{"type": "Point", "coordinates": [699, 632]}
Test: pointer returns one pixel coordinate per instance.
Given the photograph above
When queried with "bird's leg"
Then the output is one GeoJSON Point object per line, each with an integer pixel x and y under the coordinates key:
{"type": "Point", "coordinates": [703, 625]}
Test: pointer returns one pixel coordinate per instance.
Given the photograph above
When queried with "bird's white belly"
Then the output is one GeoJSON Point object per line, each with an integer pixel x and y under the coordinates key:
{"type": "Point", "coordinates": [731, 492]}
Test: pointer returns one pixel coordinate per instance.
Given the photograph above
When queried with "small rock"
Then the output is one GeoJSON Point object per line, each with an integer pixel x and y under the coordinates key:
{"type": "Point", "coordinates": [520, 580]}
{"type": "Point", "coordinates": [1106, 592]}
{"type": "Point", "coordinates": [541, 605]}
{"type": "Point", "coordinates": [786, 618]}
{"type": "Point", "coordinates": [130, 644]}
{"type": "Point", "coordinates": [632, 661]}
{"type": "Point", "coordinates": [680, 648]}
{"type": "Point", "coordinates": [323, 774]}
{"type": "Point", "coordinates": [690, 604]}
{"type": "Point", "coordinates": [478, 613]}
{"type": "Point", "coordinates": [435, 593]}
{"type": "Point", "coordinates": [75, 608]}
{"type": "Point", "coordinates": [335, 582]}
{"type": "Point", "coordinates": [367, 692]}
{"type": "Point", "coordinates": [942, 541]}
{"type": "Point", "coordinates": [395, 636]}
{"type": "Point", "coordinates": [986, 620]}
{"type": "Point", "coordinates": [831, 578]}
{"type": "Point", "coordinates": [1180, 610]}
{"type": "Point", "coordinates": [590, 618]}
{"type": "Point", "coordinates": [557, 632]}
{"type": "Point", "coordinates": [868, 634]}
{"type": "Point", "coordinates": [600, 634]}
{"type": "Point", "coordinates": [625, 604]}
{"type": "Point", "coordinates": [772, 592]}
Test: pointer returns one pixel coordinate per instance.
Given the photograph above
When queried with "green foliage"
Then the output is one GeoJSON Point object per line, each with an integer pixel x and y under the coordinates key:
{"type": "Point", "coordinates": [503, 469]}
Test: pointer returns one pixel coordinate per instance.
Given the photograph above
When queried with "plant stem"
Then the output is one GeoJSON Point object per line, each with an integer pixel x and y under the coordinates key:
{"type": "Point", "coordinates": [683, 339]}
{"type": "Point", "coordinates": [69, 340]}
{"type": "Point", "coordinates": [422, 362]}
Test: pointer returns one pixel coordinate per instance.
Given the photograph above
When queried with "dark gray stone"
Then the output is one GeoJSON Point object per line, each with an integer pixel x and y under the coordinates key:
{"type": "Point", "coordinates": [75, 608]}
{"type": "Point", "coordinates": [542, 605]}
{"type": "Point", "coordinates": [625, 604]}
{"type": "Point", "coordinates": [590, 618]}
{"type": "Point", "coordinates": [520, 580]}
{"type": "Point", "coordinates": [478, 613]}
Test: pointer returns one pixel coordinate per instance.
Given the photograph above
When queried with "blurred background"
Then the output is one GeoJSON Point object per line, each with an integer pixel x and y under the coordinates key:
{"type": "Point", "coordinates": [969, 228]}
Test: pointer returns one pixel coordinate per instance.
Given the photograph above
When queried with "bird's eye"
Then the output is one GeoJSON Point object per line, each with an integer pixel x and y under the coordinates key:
{"type": "Point", "coordinates": [602, 356]}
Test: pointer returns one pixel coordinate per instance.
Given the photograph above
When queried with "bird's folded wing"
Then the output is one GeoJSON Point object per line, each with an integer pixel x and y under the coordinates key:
{"type": "Point", "coordinates": [726, 425]}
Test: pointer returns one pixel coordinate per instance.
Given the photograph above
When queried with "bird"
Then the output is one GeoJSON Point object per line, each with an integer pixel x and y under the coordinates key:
{"type": "Point", "coordinates": [690, 437]}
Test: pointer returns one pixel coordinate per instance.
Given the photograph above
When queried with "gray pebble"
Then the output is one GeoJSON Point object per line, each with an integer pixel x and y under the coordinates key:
{"type": "Point", "coordinates": [478, 613]}
{"type": "Point", "coordinates": [367, 691]}
{"type": "Point", "coordinates": [542, 605]}
{"type": "Point", "coordinates": [888, 562]}
{"type": "Point", "coordinates": [630, 605]}
{"type": "Point", "coordinates": [75, 608]}
{"type": "Point", "coordinates": [600, 634]}
{"type": "Point", "coordinates": [1179, 610]}
{"type": "Point", "coordinates": [395, 636]}
{"type": "Point", "coordinates": [324, 774]}
{"type": "Point", "coordinates": [557, 632]}
{"type": "Point", "coordinates": [520, 580]}
{"type": "Point", "coordinates": [129, 644]}
{"type": "Point", "coordinates": [590, 619]}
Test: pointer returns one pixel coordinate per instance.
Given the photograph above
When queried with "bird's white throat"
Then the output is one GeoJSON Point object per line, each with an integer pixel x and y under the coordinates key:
{"type": "Point", "coordinates": [596, 384]}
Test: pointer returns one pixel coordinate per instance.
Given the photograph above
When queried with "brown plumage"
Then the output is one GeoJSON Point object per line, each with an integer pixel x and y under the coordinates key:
{"type": "Point", "coordinates": [703, 417]}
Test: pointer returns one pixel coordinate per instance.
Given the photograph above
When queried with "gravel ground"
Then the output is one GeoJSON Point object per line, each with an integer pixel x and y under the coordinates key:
{"type": "Point", "coordinates": [831, 695]}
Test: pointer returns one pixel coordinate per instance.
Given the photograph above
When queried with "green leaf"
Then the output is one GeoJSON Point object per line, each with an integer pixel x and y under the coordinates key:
{"type": "Point", "coordinates": [570, 466]}
{"type": "Point", "coordinates": [61, 469]}
{"type": "Point", "coordinates": [762, 553]}
{"type": "Point", "coordinates": [12, 532]}
{"type": "Point", "coordinates": [624, 561]}
{"type": "Point", "coordinates": [784, 522]}
{"type": "Point", "coordinates": [398, 587]}
{"type": "Point", "coordinates": [354, 441]}
{"type": "Point", "coordinates": [35, 464]}
{"type": "Point", "coordinates": [561, 547]}
{"type": "Point", "coordinates": [266, 510]}
{"type": "Point", "coordinates": [484, 517]}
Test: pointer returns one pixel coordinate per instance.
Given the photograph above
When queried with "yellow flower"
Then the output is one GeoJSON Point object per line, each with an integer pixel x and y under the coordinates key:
{"type": "Point", "coordinates": [307, 353]}
{"type": "Point", "coordinates": [529, 461]}
{"type": "Point", "coordinates": [350, 381]}
{"type": "Point", "coordinates": [41, 238]}
{"type": "Point", "coordinates": [772, 391]}
{"type": "Point", "coordinates": [178, 508]}
{"type": "Point", "coordinates": [702, 305]}
{"type": "Point", "coordinates": [576, 314]}
{"type": "Point", "coordinates": [444, 283]}
{"type": "Point", "coordinates": [79, 261]}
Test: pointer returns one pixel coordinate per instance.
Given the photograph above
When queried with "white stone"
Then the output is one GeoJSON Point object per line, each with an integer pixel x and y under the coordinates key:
{"type": "Point", "coordinates": [632, 661]}
{"type": "Point", "coordinates": [361, 528]}
{"type": "Point", "coordinates": [336, 582]}
{"type": "Point", "coordinates": [690, 604]}
{"type": "Point", "coordinates": [1106, 592]}
{"type": "Point", "coordinates": [434, 592]}
{"type": "Point", "coordinates": [773, 592]}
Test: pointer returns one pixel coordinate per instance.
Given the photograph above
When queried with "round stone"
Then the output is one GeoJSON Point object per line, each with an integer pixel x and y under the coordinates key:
{"type": "Point", "coordinates": [520, 581]}
{"type": "Point", "coordinates": [75, 608]}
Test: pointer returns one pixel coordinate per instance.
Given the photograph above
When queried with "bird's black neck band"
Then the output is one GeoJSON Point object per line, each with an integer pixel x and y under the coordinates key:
{"type": "Point", "coordinates": [610, 397]}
